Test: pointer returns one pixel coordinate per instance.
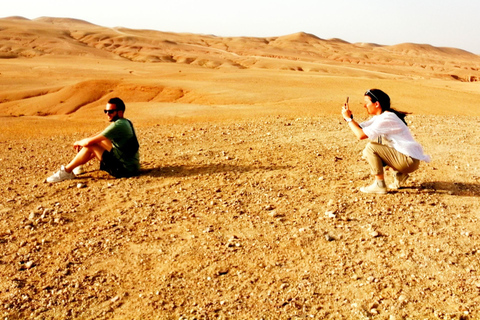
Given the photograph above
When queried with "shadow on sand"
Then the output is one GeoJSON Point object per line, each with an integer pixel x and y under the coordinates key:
{"type": "Point", "coordinates": [187, 171]}
{"type": "Point", "coordinates": [451, 188]}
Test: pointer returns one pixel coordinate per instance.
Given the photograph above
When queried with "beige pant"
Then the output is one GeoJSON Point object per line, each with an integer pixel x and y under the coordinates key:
{"type": "Point", "coordinates": [379, 156]}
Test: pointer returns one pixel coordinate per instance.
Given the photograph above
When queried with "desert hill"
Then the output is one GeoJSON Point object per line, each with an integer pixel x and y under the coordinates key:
{"type": "Point", "coordinates": [65, 66]}
{"type": "Point", "coordinates": [57, 36]}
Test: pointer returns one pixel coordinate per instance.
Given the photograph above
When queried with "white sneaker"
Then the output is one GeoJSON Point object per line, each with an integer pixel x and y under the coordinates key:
{"type": "Point", "coordinates": [78, 170]}
{"type": "Point", "coordinates": [374, 188]}
{"type": "Point", "coordinates": [398, 179]}
{"type": "Point", "coordinates": [60, 175]}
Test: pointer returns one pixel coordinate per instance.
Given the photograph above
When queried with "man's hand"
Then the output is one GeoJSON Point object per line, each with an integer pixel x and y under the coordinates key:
{"type": "Point", "coordinates": [80, 144]}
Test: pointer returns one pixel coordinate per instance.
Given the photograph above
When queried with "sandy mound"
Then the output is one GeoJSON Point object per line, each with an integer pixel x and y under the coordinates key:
{"type": "Point", "coordinates": [25, 38]}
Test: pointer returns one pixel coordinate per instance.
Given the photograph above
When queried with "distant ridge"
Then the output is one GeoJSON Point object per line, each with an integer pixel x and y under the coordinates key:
{"type": "Point", "coordinates": [62, 21]}
{"type": "Point", "coordinates": [301, 51]}
{"type": "Point", "coordinates": [338, 40]}
{"type": "Point", "coordinates": [365, 44]}
{"type": "Point", "coordinates": [300, 37]}
{"type": "Point", "coordinates": [427, 48]}
{"type": "Point", "coordinates": [16, 18]}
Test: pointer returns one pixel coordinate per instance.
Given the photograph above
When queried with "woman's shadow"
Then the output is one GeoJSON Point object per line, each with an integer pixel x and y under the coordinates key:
{"type": "Point", "coordinates": [451, 188]}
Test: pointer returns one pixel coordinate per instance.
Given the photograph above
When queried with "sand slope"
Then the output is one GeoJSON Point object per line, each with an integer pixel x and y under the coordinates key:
{"type": "Point", "coordinates": [44, 48]}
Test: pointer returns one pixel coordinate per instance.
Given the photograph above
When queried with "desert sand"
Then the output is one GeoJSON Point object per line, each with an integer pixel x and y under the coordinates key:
{"type": "Point", "coordinates": [247, 206]}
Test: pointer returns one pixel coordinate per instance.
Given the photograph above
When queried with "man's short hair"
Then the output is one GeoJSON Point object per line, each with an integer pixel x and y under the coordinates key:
{"type": "Point", "coordinates": [118, 103]}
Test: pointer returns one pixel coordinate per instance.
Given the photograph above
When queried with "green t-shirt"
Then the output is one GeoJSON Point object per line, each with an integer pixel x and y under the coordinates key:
{"type": "Point", "coordinates": [119, 133]}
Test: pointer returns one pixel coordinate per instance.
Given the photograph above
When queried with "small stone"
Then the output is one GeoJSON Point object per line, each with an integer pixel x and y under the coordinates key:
{"type": "Point", "coordinates": [275, 214]}
{"type": "Point", "coordinates": [329, 237]}
{"type": "Point", "coordinates": [81, 185]}
{"type": "Point", "coordinates": [209, 229]}
{"type": "Point", "coordinates": [374, 234]}
{"type": "Point", "coordinates": [330, 213]}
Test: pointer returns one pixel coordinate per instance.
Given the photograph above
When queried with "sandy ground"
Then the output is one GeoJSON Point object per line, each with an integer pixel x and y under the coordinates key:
{"type": "Point", "coordinates": [247, 206]}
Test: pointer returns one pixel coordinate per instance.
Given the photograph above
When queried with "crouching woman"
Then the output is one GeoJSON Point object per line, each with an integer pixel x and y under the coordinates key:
{"type": "Point", "coordinates": [392, 143]}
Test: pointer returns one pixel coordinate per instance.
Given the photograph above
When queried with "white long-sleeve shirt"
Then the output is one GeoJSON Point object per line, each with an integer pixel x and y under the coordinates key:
{"type": "Point", "coordinates": [395, 133]}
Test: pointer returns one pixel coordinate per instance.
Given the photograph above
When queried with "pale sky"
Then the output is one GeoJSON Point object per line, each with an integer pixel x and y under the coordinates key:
{"type": "Point", "coordinates": [442, 23]}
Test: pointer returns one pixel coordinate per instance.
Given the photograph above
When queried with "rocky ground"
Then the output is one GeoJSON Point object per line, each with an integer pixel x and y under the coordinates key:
{"type": "Point", "coordinates": [251, 219]}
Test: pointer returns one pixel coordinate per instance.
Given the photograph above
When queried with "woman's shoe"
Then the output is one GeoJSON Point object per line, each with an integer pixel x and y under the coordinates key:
{"type": "Point", "coordinates": [374, 188]}
{"type": "Point", "coordinates": [398, 179]}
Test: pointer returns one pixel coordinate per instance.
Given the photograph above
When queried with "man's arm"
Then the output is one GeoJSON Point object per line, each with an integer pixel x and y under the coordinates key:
{"type": "Point", "coordinates": [96, 139]}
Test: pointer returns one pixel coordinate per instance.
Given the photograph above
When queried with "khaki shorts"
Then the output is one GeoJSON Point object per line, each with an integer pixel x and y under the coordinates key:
{"type": "Point", "coordinates": [379, 155]}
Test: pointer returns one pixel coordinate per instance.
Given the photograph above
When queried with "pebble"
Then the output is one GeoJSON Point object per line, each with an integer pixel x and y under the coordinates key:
{"type": "Point", "coordinates": [374, 234]}
{"type": "Point", "coordinates": [330, 213]}
{"type": "Point", "coordinates": [209, 229]}
{"type": "Point", "coordinates": [329, 237]}
{"type": "Point", "coordinates": [269, 207]}
{"type": "Point", "coordinates": [275, 214]}
{"type": "Point", "coordinates": [81, 185]}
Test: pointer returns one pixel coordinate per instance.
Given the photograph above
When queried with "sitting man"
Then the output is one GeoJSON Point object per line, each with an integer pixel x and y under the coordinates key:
{"type": "Point", "coordinates": [116, 147]}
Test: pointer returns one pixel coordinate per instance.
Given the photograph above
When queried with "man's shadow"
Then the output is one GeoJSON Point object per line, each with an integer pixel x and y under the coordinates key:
{"type": "Point", "coordinates": [451, 188]}
{"type": "Point", "coordinates": [199, 170]}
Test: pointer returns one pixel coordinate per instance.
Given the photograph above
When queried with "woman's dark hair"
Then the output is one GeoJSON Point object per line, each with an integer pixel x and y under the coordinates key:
{"type": "Point", "coordinates": [118, 103]}
{"type": "Point", "coordinates": [384, 100]}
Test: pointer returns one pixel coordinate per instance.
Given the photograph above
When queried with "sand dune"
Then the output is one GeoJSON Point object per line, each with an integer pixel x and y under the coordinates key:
{"type": "Point", "coordinates": [63, 65]}
{"type": "Point", "coordinates": [25, 38]}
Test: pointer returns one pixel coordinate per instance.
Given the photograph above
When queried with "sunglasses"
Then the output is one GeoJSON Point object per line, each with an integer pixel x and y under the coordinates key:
{"type": "Point", "coordinates": [109, 111]}
{"type": "Point", "coordinates": [370, 93]}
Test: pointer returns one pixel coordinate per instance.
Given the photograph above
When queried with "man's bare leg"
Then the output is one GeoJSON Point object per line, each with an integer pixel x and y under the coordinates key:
{"type": "Point", "coordinates": [86, 154]}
